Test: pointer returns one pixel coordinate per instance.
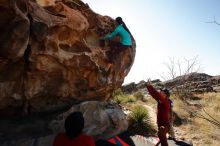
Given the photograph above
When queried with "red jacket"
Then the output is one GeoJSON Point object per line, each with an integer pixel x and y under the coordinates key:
{"type": "Point", "coordinates": [82, 140]}
{"type": "Point", "coordinates": [163, 106]}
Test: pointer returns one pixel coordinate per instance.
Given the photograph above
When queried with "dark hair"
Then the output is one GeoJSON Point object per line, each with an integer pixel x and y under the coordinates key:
{"type": "Point", "coordinates": [74, 124]}
{"type": "Point", "coordinates": [121, 22]}
{"type": "Point", "coordinates": [166, 91]}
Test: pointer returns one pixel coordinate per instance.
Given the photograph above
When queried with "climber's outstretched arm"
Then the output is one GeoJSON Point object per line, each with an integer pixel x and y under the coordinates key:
{"type": "Point", "coordinates": [153, 92]}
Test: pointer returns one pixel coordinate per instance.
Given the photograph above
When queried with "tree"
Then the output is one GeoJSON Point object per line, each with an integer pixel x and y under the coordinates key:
{"type": "Point", "coordinates": [180, 69]}
{"type": "Point", "coordinates": [183, 67]}
{"type": "Point", "coordinates": [214, 21]}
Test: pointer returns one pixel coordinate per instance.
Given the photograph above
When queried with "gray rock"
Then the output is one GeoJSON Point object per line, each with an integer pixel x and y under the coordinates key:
{"type": "Point", "coordinates": [102, 120]}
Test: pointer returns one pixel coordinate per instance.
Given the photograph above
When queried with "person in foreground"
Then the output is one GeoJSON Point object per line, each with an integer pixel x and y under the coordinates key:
{"type": "Point", "coordinates": [73, 136]}
{"type": "Point", "coordinates": [163, 113]}
{"type": "Point", "coordinates": [125, 40]}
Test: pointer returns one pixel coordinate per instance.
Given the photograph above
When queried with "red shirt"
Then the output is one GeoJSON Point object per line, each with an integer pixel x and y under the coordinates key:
{"type": "Point", "coordinates": [163, 106]}
{"type": "Point", "coordinates": [82, 140]}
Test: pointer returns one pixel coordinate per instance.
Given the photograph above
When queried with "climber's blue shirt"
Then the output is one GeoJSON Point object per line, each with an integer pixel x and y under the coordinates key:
{"type": "Point", "coordinates": [125, 36]}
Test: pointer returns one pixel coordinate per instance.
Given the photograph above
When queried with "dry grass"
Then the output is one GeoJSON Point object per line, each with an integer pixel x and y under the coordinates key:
{"type": "Point", "coordinates": [209, 132]}
{"type": "Point", "coordinates": [181, 108]}
{"type": "Point", "coordinates": [199, 130]}
{"type": "Point", "coordinates": [139, 118]}
{"type": "Point", "coordinates": [195, 129]}
{"type": "Point", "coordinates": [151, 101]}
{"type": "Point", "coordinates": [120, 98]}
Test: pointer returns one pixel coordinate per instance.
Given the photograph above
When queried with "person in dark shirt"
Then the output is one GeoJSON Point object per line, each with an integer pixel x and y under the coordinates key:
{"type": "Point", "coordinates": [73, 136]}
{"type": "Point", "coordinates": [163, 111]}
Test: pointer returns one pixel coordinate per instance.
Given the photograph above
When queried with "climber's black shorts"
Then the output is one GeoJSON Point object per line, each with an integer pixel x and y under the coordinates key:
{"type": "Point", "coordinates": [115, 49]}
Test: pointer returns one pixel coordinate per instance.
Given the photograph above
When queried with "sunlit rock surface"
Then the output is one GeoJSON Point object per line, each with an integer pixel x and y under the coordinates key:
{"type": "Point", "coordinates": [102, 120]}
{"type": "Point", "coordinates": [63, 62]}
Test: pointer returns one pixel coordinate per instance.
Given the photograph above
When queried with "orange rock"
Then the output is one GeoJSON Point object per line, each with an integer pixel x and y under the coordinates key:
{"type": "Point", "coordinates": [64, 60]}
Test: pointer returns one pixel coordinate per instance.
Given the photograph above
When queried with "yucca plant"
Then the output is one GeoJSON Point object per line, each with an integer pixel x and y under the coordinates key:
{"type": "Point", "coordinates": [139, 114]}
{"type": "Point", "coordinates": [140, 121]}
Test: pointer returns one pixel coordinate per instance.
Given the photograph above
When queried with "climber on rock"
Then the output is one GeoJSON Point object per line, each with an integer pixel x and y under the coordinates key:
{"type": "Point", "coordinates": [116, 48]}
{"type": "Point", "coordinates": [163, 111]}
{"type": "Point", "coordinates": [73, 136]}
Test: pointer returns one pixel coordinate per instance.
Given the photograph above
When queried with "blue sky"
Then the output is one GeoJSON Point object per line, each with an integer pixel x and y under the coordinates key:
{"type": "Point", "coordinates": [166, 29]}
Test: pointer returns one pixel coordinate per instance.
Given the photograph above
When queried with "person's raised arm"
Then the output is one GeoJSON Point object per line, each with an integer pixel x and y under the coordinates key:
{"type": "Point", "coordinates": [152, 91]}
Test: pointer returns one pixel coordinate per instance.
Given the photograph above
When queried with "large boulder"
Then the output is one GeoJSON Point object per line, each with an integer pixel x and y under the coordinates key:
{"type": "Point", "coordinates": [14, 38]}
{"type": "Point", "coordinates": [102, 121]}
{"type": "Point", "coordinates": [50, 57]}
{"type": "Point", "coordinates": [192, 78]}
{"type": "Point", "coordinates": [215, 81]}
{"type": "Point", "coordinates": [129, 88]}
{"type": "Point", "coordinates": [193, 82]}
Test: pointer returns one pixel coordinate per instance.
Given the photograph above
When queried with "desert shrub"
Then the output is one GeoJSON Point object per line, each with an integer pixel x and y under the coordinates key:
{"type": "Point", "coordinates": [139, 95]}
{"type": "Point", "coordinates": [119, 99]}
{"type": "Point", "coordinates": [130, 98]}
{"type": "Point", "coordinates": [118, 96]}
{"type": "Point", "coordinates": [117, 92]}
{"type": "Point", "coordinates": [140, 121]}
{"type": "Point", "coordinates": [139, 114]}
{"type": "Point", "coordinates": [183, 93]}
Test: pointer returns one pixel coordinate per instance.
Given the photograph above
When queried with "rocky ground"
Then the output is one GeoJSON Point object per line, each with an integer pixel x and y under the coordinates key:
{"type": "Point", "coordinates": [200, 101]}
{"type": "Point", "coordinates": [193, 130]}
{"type": "Point", "coordinates": [194, 82]}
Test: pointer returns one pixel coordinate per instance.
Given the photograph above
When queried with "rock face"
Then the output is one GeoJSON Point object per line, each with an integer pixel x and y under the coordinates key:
{"type": "Point", "coordinates": [216, 83]}
{"type": "Point", "coordinates": [141, 86]}
{"type": "Point", "coordinates": [102, 120]}
{"type": "Point", "coordinates": [129, 88]}
{"type": "Point", "coordinates": [194, 82]}
{"type": "Point", "coordinates": [50, 56]}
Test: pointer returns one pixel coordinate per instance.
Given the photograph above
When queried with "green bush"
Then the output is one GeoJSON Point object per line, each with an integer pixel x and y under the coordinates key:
{"type": "Point", "coordinates": [130, 98]}
{"type": "Point", "coordinates": [119, 99]}
{"type": "Point", "coordinates": [117, 92]}
{"type": "Point", "coordinates": [140, 121]}
{"type": "Point", "coordinates": [139, 114]}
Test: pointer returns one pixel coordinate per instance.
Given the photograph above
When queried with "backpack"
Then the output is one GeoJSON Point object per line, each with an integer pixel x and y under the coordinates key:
{"type": "Point", "coordinates": [171, 103]}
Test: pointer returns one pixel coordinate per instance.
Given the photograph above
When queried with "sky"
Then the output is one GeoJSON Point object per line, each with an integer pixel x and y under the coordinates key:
{"type": "Point", "coordinates": [165, 29]}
